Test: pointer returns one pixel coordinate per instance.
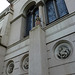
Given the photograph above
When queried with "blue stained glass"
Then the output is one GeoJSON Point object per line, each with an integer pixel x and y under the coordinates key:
{"type": "Point", "coordinates": [50, 11]}
{"type": "Point", "coordinates": [29, 23]}
{"type": "Point", "coordinates": [61, 6]}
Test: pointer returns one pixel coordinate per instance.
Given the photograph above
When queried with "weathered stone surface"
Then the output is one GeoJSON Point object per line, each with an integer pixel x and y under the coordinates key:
{"type": "Point", "coordinates": [39, 45]}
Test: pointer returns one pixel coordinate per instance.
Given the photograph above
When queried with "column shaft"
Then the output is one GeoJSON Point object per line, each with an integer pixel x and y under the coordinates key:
{"type": "Point", "coordinates": [41, 15]}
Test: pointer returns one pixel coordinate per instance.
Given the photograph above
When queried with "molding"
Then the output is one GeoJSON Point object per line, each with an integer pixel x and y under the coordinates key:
{"type": "Point", "coordinates": [1, 16]}
{"type": "Point", "coordinates": [37, 26]}
{"type": "Point", "coordinates": [21, 15]}
{"type": "Point", "coordinates": [60, 38]}
{"type": "Point", "coordinates": [3, 45]}
{"type": "Point", "coordinates": [9, 11]}
{"type": "Point", "coordinates": [6, 13]}
{"type": "Point", "coordinates": [72, 24]}
{"type": "Point", "coordinates": [15, 56]}
{"type": "Point", "coordinates": [16, 50]}
{"type": "Point", "coordinates": [61, 64]}
{"type": "Point", "coordinates": [24, 74]}
{"type": "Point", "coordinates": [17, 53]}
{"type": "Point", "coordinates": [59, 20]}
{"type": "Point", "coordinates": [18, 42]}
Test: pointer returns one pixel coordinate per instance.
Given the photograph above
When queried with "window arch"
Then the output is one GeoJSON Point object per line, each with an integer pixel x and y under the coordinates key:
{"type": "Point", "coordinates": [55, 9]}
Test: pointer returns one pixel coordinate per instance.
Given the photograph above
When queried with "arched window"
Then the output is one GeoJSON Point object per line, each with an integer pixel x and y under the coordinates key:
{"type": "Point", "coordinates": [55, 9]}
{"type": "Point", "coordinates": [31, 15]}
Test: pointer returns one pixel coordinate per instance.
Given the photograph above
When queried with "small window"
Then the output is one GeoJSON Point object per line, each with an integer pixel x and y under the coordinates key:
{"type": "Point", "coordinates": [55, 9]}
{"type": "Point", "coordinates": [31, 16]}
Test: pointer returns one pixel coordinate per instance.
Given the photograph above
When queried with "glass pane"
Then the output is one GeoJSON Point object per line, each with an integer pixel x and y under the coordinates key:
{"type": "Point", "coordinates": [51, 11]}
{"type": "Point", "coordinates": [36, 12]}
{"type": "Point", "coordinates": [62, 10]}
{"type": "Point", "coordinates": [29, 23]}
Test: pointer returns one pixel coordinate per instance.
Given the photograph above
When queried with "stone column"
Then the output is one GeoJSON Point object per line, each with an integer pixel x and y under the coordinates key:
{"type": "Point", "coordinates": [4, 37]}
{"type": "Point", "coordinates": [41, 13]}
{"type": "Point", "coordinates": [37, 53]}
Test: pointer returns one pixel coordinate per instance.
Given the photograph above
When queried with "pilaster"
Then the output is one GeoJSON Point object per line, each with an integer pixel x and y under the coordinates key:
{"type": "Point", "coordinates": [37, 54]}
{"type": "Point", "coordinates": [41, 12]}
{"type": "Point", "coordinates": [6, 26]}
{"type": "Point", "coordinates": [2, 57]}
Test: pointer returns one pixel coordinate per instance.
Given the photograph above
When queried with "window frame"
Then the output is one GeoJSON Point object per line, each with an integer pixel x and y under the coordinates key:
{"type": "Point", "coordinates": [56, 11]}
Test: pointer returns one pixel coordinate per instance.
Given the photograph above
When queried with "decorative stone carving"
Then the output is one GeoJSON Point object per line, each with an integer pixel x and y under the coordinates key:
{"type": "Point", "coordinates": [63, 50]}
{"type": "Point", "coordinates": [10, 67]}
{"type": "Point", "coordinates": [38, 20]}
{"type": "Point", "coordinates": [25, 63]}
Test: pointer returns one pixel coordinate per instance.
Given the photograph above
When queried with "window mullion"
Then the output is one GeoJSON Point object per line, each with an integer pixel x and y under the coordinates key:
{"type": "Point", "coordinates": [55, 7]}
{"type": "Point", "coordinates": [32, 20]}
{"type": "Point", "coordinates": [47, 20]}
{"type": "Point", "coordinates": [33, 17]}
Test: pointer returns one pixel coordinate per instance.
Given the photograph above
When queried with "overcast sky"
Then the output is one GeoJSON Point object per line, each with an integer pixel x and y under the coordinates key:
{"type": "Point", "coordinates": [3, 4]}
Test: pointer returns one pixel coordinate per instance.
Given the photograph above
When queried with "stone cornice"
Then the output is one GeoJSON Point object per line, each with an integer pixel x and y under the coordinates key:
{"type": "Point", "coordinates": [1, 43]}
{"type": "Point", "coordinates": [18, 42]}
{"type": "Point", "coordinates": [5, 13]}
{"type": "Point", "coordinates": [2, 14]}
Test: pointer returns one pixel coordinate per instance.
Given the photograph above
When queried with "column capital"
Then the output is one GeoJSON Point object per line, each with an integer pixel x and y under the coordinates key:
{"type": "Point", "coordinates": [10, 1]}
{"type": "Point", "coordinates": [10, 9]}
{"type": "Point", "coordinates": [40, 3]}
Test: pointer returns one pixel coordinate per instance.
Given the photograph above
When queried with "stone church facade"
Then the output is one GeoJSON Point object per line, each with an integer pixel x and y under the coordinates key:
{"type": "Point", "coordinates": [37, 37]}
